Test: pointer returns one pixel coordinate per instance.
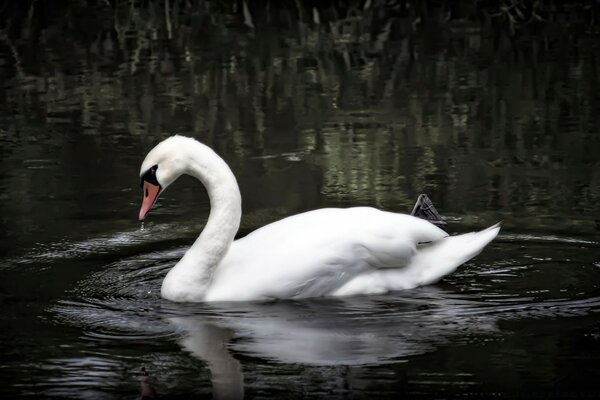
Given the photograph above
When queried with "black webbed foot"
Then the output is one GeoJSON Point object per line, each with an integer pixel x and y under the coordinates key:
{"type": "Point", "coordinates": [424, 209]}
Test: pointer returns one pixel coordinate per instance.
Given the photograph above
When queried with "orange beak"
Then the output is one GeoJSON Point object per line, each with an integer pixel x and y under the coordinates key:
{"type": "Point", "coordinates": [151, 193]}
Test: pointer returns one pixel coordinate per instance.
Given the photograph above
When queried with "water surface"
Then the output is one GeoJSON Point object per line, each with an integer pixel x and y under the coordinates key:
{"type": "Point", "coordinates": [311, 107]}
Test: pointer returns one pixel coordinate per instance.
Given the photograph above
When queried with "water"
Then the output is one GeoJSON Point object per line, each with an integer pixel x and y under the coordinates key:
{"type": "Point", "coordinates": [311, 108]}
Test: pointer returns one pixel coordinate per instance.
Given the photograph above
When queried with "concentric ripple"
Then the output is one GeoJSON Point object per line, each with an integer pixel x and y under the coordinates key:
{"type": "Point", "coordinates": [122, 301]}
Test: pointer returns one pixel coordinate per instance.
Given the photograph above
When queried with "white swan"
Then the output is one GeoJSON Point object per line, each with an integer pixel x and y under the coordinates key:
{"type": "Point", "coordinates": [326, 252]}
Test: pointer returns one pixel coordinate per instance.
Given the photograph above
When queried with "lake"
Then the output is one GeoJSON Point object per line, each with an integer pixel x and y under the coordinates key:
{"type": "Point", "coordinates": [492, 114]}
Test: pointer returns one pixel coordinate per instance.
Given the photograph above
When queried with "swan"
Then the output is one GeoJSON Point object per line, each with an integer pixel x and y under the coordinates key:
{"type": "Point", "coordinates": [324, 252]}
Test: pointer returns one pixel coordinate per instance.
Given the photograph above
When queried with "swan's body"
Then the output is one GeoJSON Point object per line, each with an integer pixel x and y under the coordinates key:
{"type": "Point", "coordinates": [326, 252]}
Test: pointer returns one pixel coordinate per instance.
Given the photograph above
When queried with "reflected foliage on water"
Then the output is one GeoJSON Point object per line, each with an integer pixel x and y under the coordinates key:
{"type": "Point", "coordinates": [375, 104]}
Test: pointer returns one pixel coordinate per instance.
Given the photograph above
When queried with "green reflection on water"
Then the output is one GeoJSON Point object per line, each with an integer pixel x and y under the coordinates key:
{"type": "Point", "coordinates": [377, 105]}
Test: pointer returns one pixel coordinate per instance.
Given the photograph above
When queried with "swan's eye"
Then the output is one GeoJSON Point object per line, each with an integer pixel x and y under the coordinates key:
{"type": "Point", "coordinates": [150, 176]}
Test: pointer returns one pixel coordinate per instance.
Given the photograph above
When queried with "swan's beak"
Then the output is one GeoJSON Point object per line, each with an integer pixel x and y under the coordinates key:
{"type": "Point", "coordinates": [150, 193]}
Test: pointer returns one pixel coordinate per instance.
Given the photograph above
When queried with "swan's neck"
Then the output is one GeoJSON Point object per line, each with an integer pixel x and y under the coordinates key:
{"type": "Point", "coordinates": [191, 276]}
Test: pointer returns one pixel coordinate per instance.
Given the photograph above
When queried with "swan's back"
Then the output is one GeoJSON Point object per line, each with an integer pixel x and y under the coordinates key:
{"type": "Point", "coordinates": [345, 225]}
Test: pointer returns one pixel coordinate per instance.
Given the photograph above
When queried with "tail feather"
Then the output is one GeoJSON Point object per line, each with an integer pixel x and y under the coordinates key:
{"type": "Point", "coordinates": [437, 259]}
{"type": "Point", "coordinates": [432, 261]}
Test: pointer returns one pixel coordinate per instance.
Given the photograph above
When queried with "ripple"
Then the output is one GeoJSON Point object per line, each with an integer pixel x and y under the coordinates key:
{"type": "Point", "coordinates": [113, 244]}
{"type": "Point", "coordinates": [358, 330]}
{"type": "Point", "coordinates": [546, 238]}
{"type": "Point", "coordinates": [122, 302]}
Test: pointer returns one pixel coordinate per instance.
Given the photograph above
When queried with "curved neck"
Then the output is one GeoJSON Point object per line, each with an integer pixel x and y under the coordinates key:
{"type": "Point", "coordinates": [196, 267]}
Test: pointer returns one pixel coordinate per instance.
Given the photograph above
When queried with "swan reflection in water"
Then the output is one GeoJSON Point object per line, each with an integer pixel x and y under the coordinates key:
{"type": "Point", "coordinates": [362, 330]}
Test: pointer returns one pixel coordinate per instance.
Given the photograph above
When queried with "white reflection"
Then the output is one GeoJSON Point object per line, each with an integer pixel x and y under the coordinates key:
{"type": "Point", "coordinates": [208, 342]}
{"type": "Point", "coordinates": [353, 331]}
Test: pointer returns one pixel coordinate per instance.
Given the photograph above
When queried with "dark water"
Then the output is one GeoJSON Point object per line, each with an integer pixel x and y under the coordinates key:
{"type": "Point", "coordinates": [311, 107]}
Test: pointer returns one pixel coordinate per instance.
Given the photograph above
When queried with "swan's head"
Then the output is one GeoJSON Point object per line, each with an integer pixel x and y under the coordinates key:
{"type": "Point", "coordinates": [161, 167]}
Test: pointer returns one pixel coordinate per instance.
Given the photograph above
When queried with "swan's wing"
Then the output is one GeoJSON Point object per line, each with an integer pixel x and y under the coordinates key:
{"type": "Point", "coordinates": [315, 253]}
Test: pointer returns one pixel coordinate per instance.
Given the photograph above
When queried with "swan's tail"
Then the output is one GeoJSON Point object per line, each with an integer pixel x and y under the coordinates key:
{"type": "Point", "coordinates": [437, 259]}
{"type": "Point", "coordinates": [432, 261]}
